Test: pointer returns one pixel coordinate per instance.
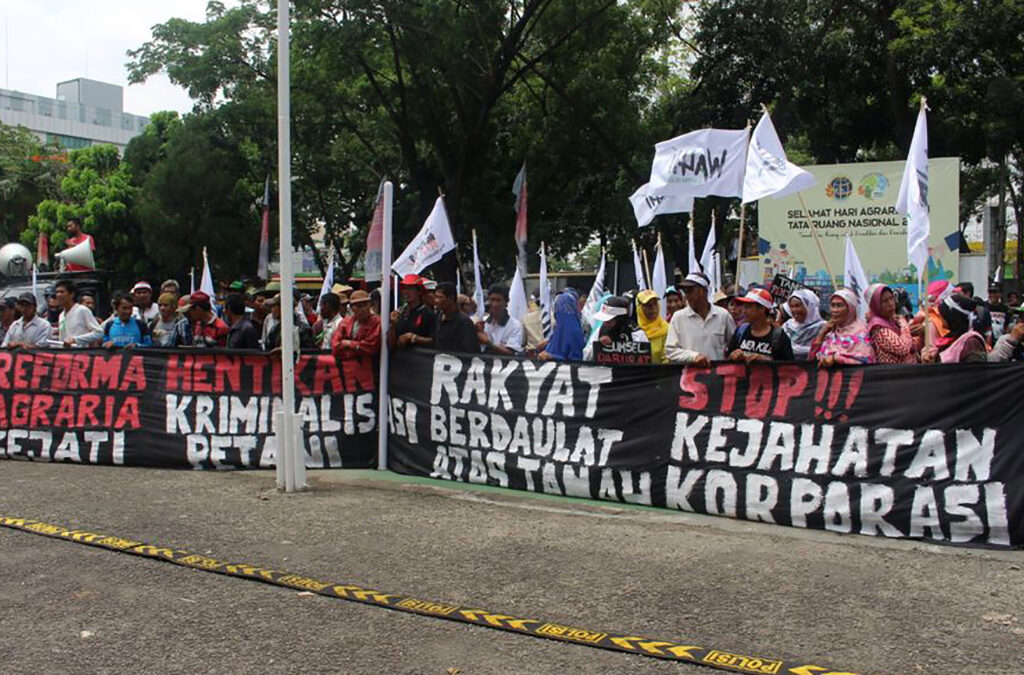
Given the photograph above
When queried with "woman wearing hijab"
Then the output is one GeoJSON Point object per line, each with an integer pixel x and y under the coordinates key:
{"type": "Point", "coordinates": [845, 338]}
{"type": "Point", "coordinates": [806, 322]}
{"type": "Point", "coordinates": [567, 341]}
{"type": "Point", "coordinates": [889, 330]}
{"type": "Point", "coordinates": [648, 314]}
{"type": "Point", "coordinates": [960, 343]}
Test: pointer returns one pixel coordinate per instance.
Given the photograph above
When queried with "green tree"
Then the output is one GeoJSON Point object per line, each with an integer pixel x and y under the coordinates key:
{"type": "Point", "coordinates": [97, 189]}
{"type": "Point", "coordinates": [30, 172]}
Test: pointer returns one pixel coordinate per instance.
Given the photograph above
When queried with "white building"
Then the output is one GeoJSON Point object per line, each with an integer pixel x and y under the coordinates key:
{"type": "Point", "coordinates": [85, 112]}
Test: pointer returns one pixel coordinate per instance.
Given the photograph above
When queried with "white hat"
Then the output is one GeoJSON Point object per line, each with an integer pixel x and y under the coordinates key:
{"type": "Point", "coordinates": [696, 279]}
{"type": "Point", "coordinates": [142, 286]}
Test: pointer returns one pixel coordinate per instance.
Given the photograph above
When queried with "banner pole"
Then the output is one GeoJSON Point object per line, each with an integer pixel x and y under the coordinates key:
{"type": "Point", "coordinates": [288, 455]}
{"type": "Point", "coordinates": [385, 325]}
{"type": "Point", "coordinates": [739, 246]}
{"type": "Point", "coordinates": [647, 269]}
{"type": "Point", "coordinates": [814, 233]}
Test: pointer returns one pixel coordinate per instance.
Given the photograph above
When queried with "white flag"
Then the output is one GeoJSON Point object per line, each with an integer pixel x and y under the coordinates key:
{"type": "Point", "coordinates": [691, 259]}
{"type": "Point", "coordinates": [596, 292]}
{"type": "Point", "coordinates": [429, 245]}
{"type": "Point", "coordinates": [328, 280]}
{"type": "Point", "coordinates": [854, 277]}
{"type": "Point", "coordinates": [478, 289]}
{"type": "Point", "coordinates": [638, 270]}
{"type": "Point", "coordinates": [768, 172]}
{"type": "Point", "coordinates": [545, 294]}
{"type": "Point", "coordinates": [206, 281]}
{"type": "Point", "coordinates": [647, 205]}
{"type": "Point", "coordinates": [913, 198]}
{"type": "Point", "coordinates": [517, 298]}
{"type": "Point", "coordinates": [700, 164]}
{"type": "Point", "coordinates": [658, 281]}
{"type": "Point", "coordinates": [707, 256]}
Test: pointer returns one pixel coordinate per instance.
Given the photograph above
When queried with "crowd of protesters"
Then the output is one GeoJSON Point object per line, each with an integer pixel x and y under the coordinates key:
{"type": "Point", "coordinates": [686, 325]}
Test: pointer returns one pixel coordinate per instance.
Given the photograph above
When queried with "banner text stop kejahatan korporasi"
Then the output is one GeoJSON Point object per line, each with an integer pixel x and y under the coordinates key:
{"type": "Point", "coordinates": [860, 200]}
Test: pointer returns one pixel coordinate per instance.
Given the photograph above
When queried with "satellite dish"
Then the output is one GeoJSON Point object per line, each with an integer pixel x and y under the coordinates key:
{"type": "Point", "coordinates": [15, 260]}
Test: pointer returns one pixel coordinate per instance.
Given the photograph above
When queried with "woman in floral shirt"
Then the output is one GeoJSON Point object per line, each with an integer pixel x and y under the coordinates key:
{"type": "Point", "coordinates": [890, 332]}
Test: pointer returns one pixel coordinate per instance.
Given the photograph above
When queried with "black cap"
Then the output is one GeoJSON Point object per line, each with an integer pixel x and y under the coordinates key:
{"type": "Point", "coordinates": [27, 298]}
{"type": "Point", "coordinates": [995, 288]}
{"type": "Point", "coordinates": [617, 301]}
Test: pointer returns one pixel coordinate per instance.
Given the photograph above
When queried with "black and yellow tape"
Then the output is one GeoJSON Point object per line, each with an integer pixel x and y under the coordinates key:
{"type": "Point", "coordinates": [689, 651]}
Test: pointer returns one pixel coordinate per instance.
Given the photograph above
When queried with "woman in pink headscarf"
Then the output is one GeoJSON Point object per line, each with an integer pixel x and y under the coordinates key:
{"type": "Point", "coordinates": [890, 332]}
{"type": "Point", "coordinates": [845, 338]}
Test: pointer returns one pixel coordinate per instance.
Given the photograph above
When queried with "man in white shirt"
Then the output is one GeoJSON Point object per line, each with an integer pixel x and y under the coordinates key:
{"type": "Point", "coordinates": [699, 333]}
{"type": "Point", "coordinates": [77, 326]}
{"type": "Point", "coordinates": [145, 308]}
{"type": "Point", "coordinates": [31, 330]}
{"type": "Point", "coordinates": [501, 334]}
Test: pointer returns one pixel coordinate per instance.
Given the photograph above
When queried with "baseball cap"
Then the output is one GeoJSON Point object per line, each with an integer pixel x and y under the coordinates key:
{"type": "Point", "coordinates": [612, 308]}
{"type": "Point", "coordinates": [411, 280]}
{"type": "Point", "coordinates": [645, 296]}
{"type": "Point", "coordinates": [429, 284]}
{"type": "Point", "coordinates": [27, 298]}
{"type": "Point", "coordinates": [142, 286]}
{"type": "Point", "coordinates": [696, 279]}
{"type": "Point", "coordinates": [758, 296]}
{"type": "Point", "coordinates": [195, 298]}
{"type": "Point", "coordinates": [671, 290]}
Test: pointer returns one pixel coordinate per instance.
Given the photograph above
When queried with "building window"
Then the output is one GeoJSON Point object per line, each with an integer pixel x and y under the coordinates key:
{"type": "Point", "coordinates": [45, 107]}
{"type": "Point", "coordinates": [68, 142]}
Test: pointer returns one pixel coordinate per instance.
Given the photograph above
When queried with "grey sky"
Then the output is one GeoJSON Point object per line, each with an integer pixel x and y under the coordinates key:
{"type": "Point", "coordinates": [47, 41]}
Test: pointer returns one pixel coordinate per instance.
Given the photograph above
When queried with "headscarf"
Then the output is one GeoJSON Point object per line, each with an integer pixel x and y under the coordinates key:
{"type": "Point", "coordinates": [849, 343]}
{"type": "Point", "coordinates": [656, 329]}
{"type": "Point", "coordinates": [874, 296]}
{"type": "Point", "coordinates": [595, 326]}
{"type": "Point", "coordinates": [567, 341]}
{"type": "Point", "coordinates": [802, 333]}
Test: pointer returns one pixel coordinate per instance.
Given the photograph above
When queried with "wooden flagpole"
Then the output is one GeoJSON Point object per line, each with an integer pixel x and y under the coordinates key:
{"type": "Point", "coordinates": [817, 240]}
{"type": "Point", "coordinates": [647, 268]}
{"type": "Point", "coordinates": [739, 247]}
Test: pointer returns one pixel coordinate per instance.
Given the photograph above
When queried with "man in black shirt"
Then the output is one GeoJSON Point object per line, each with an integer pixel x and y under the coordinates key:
{"type": "Point", "coordinates": [415, 324]}
{"type": "Point", "coordinates": [242, 334]}
{"type": "Point", "coordinates": [456, 332]}
{"type": "Point", "coordinates": [758, 339]}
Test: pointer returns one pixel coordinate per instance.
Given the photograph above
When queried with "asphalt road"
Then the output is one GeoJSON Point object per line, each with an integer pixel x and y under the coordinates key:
{"type": "Point", "coordinates": [853, 602]}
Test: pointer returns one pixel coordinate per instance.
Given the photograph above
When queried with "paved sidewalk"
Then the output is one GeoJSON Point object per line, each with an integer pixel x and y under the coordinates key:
{"type": "Point", "coordinates": [863, 604]}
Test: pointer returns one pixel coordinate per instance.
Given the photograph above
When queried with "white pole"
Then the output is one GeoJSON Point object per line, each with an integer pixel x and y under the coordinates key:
{"type": "Point", "coordinates": [385, 325]}
{"type": "Point", "coordinates": [289, 461]}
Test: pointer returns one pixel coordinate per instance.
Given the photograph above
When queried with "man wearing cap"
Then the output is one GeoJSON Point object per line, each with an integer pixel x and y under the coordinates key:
{"type": "Point", "coordinates": [207, 330]}
{"type": "Point", "coordinates": [673, 302]}
{"type": "Point", "coordinates": [358, 335]}
{"type": "Point", "coordinates": [998, 310]}
{"type": "Point", "coordinates": [145, 308]}
{"type": "Point", "coordinates": [415, 324]}
{"type": "Point", "coordinates": [31, 330]}
{"type": "Point", "coordinates": [758, 339]}
{"type": "Point", "coordinates": [699, 333]}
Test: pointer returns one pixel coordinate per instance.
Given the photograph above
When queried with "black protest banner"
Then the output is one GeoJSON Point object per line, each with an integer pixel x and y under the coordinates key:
{"type": "Point", "coordinates": [896, 451]}
{"type": "Point", "coordinates": [208, 409]}
{"type": "Point", "coordinates": [783, 287]}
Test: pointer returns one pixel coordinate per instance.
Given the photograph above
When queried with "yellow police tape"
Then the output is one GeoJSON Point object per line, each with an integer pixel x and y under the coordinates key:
{"type": "Point", "coordinates": [622, 642]}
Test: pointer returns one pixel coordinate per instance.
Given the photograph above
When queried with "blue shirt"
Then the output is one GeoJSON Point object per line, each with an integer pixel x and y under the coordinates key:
{"type": "Point", "coordinates": [133, 333]}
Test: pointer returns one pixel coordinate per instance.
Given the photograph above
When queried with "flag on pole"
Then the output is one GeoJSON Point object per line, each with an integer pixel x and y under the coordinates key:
{"type": "Point", "coordinates": [768, 172]}
{"type": "Point", "coordinates": [35, 284]}
{"type": "Point", "coordinates": [458, 281]}
{"type": "Point", "coordinates": [913, 198]}
{"type": "Point", "coordinates": [658, 281]}
{"type": "Point", "coordinates": [638, 269]}
{"type": "Point", "coordinates": [854, 277]}
{"type": "Point", "coordinates": [700, 164]}
{"type": "Point", "coordinates": [264, 261]}
{"type": "Point", "coordinates": [519, 190]}
{"type": "Point", "coordinates": [478, 289]}
{"type": "Point", "coordinates": [707, 256]}
{"type": "Point", "coordinates": [517, 298]}
{"type": "Point", "coordinates": [429, 245]}
{"type": "Point", "coordinates": [43, 250]}
{"type": "Point", "coordinates": [545, 294]}
{"type": "Point", "coordinates": [647, 205]}
{"type": "Point", "coordinates": [328, 279]}
{"type": "Point", "coordinates": [691, 259]}
{"type": "Point", "coordinates": [596, 292]}
{"type": "Point", "coordinates": [206, 281]}
{"type": "Point", "coordinates": [375, 239]}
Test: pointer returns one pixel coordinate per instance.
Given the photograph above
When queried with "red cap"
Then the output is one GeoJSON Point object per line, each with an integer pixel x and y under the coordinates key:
{"type": "Point", "coordinates": [411, 280]}
{"type": "Point", "coordinates": [198, 297]}
{"type": "Point", "coordinates": [758, 296]}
